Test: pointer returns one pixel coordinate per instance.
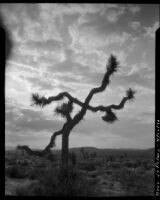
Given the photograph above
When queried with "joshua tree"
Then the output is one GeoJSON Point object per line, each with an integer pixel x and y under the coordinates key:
{"type": "Point", "coordinates": [65, 109]}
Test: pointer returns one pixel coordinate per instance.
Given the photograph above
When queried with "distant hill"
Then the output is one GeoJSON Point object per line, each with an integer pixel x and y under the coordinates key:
{"type": "Point", "coordinates": [141, 153]}
{"type": "Point", "coordinates": [146, 153]}
{"type": "Point", "coordinates": [10, 148]}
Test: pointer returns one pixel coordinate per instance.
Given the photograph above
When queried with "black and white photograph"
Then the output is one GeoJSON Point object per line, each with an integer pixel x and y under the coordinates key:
{"type": "Point", "coordinates": [80, 99]}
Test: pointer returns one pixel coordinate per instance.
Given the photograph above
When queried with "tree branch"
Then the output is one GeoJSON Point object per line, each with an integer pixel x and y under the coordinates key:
{"type": "Point", "coordinates": [46, 150]}
{"type": "Point", "coordinates": [129, 96]}
{"type": "Point", "coordinates": [42, 101]}
{"type": "Point", "coordinates": [112, 66]}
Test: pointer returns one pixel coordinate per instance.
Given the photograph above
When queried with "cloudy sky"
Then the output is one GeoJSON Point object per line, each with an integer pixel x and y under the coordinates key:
{"type": "Point", "coordinates": [65, 47]}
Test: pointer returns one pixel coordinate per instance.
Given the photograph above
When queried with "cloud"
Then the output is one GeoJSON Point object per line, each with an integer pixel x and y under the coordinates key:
{"type": "Point", "coordinates": [48, 45]}
{"type": "Point", "coordinates": [144, 90]}
{"type": "Point", "coordinates": [40, 53]}
{"type": "Point", "coordinates": [42, 84]}
{"type": "Point", "coordinates": [139, 68]}
{"type": "Point", "coordinates": [110, 11]}
{"type": "Point", "coordinates": [25, 28]}
{"type": "Point", "coordinates": [134, 8]}
{"type": "Point", "coordinates": [150, 31]}
{"type": "Point", "coordinates": [113, 14]}
{"type": "Point", "coordinates": [135, 25]}
{"type": "Point", "coordinates": [146, 118]}
{"type": "Point", "coordinates": [29, 120]}
{"type": "Point", "coordinates": [85, 39]}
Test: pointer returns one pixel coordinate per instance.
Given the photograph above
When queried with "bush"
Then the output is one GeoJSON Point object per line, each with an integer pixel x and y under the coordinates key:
{"type": "Point", "coordinates": [16, 172]}
{"type": "Point", "coordinates": [88, 166]}
{"type": "Point", "coordinates": [33, 189]}
{"type": "Point", "coordinates": [51, 157]}
{"type": "Point", "coordinates": [130, 164]}
{"type": "Point", "coordinates": [35, 173]}
{"type": "Point", "coordinates": [11, 161]}
{"type": "Point", "coordinates": [146, 165]}
{"type": "Point", "coordinates": [55, 182]}
{"type": "Point", "coordinates": [115, 165]}
{"type": "Point", "coordinates": [135, 183]}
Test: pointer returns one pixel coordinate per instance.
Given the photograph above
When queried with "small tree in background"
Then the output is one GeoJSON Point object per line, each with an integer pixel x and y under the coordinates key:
{"type": "Point", "coordinates": [65, 110]}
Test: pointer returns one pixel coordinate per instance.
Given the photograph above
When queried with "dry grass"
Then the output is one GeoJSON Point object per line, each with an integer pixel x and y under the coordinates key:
{"type": "Point", "coordinates": [43, 177]}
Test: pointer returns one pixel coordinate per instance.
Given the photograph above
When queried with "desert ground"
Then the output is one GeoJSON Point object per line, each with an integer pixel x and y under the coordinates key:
{"type": "Point", "coordinates": [92, 172]}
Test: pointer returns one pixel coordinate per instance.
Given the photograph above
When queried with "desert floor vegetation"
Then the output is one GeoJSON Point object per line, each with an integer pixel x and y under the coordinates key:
{"type": "Point", "coordinates": [96, 176]}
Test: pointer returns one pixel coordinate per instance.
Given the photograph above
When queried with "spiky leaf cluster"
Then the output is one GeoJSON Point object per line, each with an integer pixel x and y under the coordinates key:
{"type": "Point", "coordinates": [65, 109]}
{"type": "Point", "coordinates": [110, 116]}
{"type": "Point", "coordinates": [39, 100]}
{"type": "Point", "coordinates": [112, 65]}
{"type": "Point", "coordinates": [130, 94]}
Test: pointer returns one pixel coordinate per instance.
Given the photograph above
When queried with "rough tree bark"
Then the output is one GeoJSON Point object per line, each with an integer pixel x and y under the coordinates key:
{"type": "Point", "coordinates": [65, 111]}
{"type": "Point", "coordinates": [65, 149]}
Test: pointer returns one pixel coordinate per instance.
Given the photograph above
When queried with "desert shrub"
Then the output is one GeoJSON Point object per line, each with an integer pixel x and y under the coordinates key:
{"type": "Point", "coordinates": [11, 161]}
{"type": "Point", "coordinates": [16, 171]}
{"type": "Point", "coordinates": [35, 173]}
{"type": "Point", "coordinates": [84, 154]}
{"type": "Point", "coordinates": [51, 157]}
{"type": "Point", "coordinates": [41, 164]}
{"type": "Point", "coordinates": [146, 165]}
{"type": "Point", "coordinates": [55, 182]}
{"type": "Point", "coordinates": [74, 184]}
{"type": "Point", "coordinates": [138, 162]}
{"type": "Point", "coordinates": [89, 166]}
{"type": "Point", "coordinates": [109, 172]}
{"type": "Point", "coordinates": [93, 155]}
{"type": "Point", "coordinates": [23, 191]}
{"type": "Point", "coordinates": [150, 166]}
{"type": "Point", "coordinates": [111, 158]}
{"type": "Point", "coordinates": [115, 165]}
{"type": "Point", "coordinates": [135, 183]}
{"type": "Point", "coordinates": [95, 174]}
{"type": "Point", "coordinates": [33, 189]}
{"type": "Point", "coordinates": [130, 164]}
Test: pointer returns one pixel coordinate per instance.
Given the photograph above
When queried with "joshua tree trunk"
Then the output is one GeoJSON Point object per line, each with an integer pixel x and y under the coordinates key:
{"type": "Point", "coordinates": [64, 154]}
